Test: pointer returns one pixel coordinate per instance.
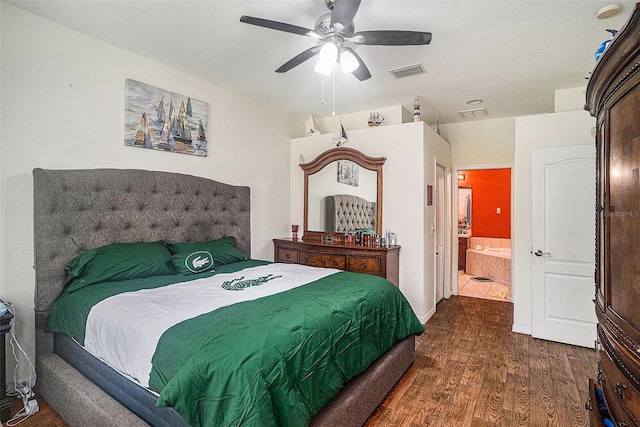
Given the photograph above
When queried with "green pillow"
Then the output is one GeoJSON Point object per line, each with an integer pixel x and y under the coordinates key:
{"type": "Point", "coordinates": [190, 258]}
{"type": "Point", "coordinates": [120, 261]}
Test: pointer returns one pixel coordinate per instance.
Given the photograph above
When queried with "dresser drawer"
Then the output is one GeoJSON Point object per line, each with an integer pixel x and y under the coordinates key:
{"type": "Point", "coordinates": [622, 397]}
{"type": "Point", "coordinates": [323, 260]}
{"type": "Point", "coordinates": [615, 409]}
{"type": "Point", "coordinates": [597, 409]}
{"type": "Point", "coordinates": [287, 255]}
{"type": "Point", "coordinates": [365, 265]}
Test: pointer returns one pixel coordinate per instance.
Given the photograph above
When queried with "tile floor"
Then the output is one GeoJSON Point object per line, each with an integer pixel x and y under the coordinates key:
{"type": "Point", "coordinates": [487, 290]}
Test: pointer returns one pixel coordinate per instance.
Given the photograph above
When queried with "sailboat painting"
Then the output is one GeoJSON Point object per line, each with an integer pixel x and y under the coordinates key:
{"type": "Point", "coordinates": [163, 120]}
{"type": "Point", "coordinates": [348, 173]}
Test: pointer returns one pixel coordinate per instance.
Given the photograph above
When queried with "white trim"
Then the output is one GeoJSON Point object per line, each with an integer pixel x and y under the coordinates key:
{"type": "Point", "coordinates": [521, 330]}
{"type": "Point", "coordinates": [424, 319]}
{"type": "Point", "coordinates": [446, 286]}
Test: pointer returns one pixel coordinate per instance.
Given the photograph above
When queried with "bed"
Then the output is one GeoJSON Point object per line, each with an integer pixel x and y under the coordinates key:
{"type": "Point", "coordinates": [79, 210]}
{"type": "Point", "coordinates": [346, 213]}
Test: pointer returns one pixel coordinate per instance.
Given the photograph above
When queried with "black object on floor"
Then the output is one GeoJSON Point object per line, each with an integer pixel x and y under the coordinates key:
{"type": "Point", "coordinates": [481, 279]}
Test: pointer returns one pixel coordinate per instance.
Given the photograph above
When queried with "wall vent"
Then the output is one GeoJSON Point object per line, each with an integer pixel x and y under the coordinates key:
{"type": "Point", "coordinates": [474, 112]}
{"type": "Point", "coordinates": [411, 70]}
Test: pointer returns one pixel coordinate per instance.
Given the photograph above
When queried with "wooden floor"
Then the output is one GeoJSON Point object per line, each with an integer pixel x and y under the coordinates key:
{"type": "Point", "coordinates": [471, 370]}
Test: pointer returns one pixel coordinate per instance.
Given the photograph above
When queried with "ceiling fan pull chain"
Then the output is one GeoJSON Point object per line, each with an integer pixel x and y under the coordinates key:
{"type": "Point", "coordinates": [323, 101]}
{"type": "Point", "coordinates": [333, 89]}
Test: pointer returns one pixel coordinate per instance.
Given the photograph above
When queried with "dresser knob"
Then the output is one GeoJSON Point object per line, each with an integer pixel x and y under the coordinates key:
{"type": "Point", "coordinates": [587, 405]}
{"type": "Point", "coordinates": [622, 424]}
{"type": "Point", "coordinates": [619, 390]}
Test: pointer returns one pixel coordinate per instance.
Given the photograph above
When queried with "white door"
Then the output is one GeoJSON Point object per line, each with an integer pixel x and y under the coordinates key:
{"type": "Point", "coordinates": [563, 244]}
{"type": "Point", "coordinates": [440, 231]}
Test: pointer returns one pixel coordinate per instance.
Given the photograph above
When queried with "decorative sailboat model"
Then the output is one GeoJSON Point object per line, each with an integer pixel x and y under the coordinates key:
{"type": "Point", "coordinates": [341, 135]}
{"type": "Point", "coordinates": [312, 126]}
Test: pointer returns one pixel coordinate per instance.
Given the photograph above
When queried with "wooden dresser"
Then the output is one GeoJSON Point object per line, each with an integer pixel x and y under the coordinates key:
{"type": "Point", "coordinates": [375, 260]}
{"type": "Point", "coordinates": [613, 97]}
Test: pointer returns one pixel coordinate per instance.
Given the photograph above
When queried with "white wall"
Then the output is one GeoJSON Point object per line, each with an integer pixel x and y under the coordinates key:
{"type": "Point", "coordinates": [410, 149]}
{"type": "Point", "coordinates": [481, 142]}
{"type": "Point", "coordinates": [392, 116]}
{"type": "Point", "coordinates": [62, 106]}
{"type": "Point", "coordinates": [570, 99]}
{"type": "Point", "coordinates": [546, 130]}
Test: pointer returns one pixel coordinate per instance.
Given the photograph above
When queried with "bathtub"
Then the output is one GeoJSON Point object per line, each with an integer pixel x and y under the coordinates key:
{"type": "Point", "coordinates": [494, 263]}
{"type": "Point", "coordinates": [499, 252]}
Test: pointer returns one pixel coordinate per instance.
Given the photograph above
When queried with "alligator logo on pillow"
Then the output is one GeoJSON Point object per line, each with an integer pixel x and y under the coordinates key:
{"type": "Point", "coordinates": [199, 261]}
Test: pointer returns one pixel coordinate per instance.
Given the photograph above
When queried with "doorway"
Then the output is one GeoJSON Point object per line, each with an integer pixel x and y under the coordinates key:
{"type": "Point", "coordinates": [483, 215]}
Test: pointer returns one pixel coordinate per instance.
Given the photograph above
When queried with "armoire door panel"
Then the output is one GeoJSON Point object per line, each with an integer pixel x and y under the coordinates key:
{"type": "Point", "coordinates": [623, 216]}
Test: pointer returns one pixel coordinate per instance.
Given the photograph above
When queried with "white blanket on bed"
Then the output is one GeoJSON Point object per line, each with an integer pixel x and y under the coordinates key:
{"type": "Point", "coordinates": [124, 330]}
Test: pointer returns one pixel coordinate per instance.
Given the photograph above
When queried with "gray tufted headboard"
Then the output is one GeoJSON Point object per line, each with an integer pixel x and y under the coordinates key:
{"type": "Point", "coordinates": [76, 210]}
{"type": "Point", "coordinates": [344, 212]}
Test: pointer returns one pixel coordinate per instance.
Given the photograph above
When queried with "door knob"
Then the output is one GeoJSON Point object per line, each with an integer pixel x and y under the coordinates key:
{"type": "Point", "coordinates": [540, 253]}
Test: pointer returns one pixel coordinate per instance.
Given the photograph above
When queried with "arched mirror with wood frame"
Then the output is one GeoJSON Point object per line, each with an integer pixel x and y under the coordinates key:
{"type": "Point", "coordinates": [342, 176]}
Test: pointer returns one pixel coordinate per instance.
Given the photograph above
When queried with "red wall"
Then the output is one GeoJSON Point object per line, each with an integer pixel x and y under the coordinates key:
{"type": "Point", "coordinates": [490, 189]}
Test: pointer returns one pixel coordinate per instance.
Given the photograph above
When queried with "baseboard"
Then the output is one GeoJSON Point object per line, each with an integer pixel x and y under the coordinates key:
{"type": "Point", "coordinates": [521, 330]}
{"type": "Point", "coordinates": [424, 318]}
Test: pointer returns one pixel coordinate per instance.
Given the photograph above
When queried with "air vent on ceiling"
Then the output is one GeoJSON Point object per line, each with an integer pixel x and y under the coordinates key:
{"type": "Point", "coordinates": [411, 70]}
{"type": "Point", "coordinates": [474, 112]}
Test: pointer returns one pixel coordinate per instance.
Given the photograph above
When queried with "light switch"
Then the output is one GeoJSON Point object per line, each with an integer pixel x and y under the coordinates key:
{"type": "Point", "coordinates": [498, 211]}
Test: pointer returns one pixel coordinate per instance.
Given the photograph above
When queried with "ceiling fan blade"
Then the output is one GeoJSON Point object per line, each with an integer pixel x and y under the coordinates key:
{"type": "Point", "coordinates": [362, 72]}
{"type": "Point", "coordinates": [274, 25]}
{"type": "Point", "coordinates": [298, 59]}
{"type": "Point", "coordinates": [344, 11]}
{"type": "Point", "coordinates": [394, 37]}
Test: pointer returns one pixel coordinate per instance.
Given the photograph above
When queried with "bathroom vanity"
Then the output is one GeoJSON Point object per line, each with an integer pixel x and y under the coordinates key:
{"type": "Point", "coordinates": [463, 245]}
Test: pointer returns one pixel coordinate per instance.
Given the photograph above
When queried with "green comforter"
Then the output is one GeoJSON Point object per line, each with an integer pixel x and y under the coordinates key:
{"type": "Point", "coordinates": [275, 361]}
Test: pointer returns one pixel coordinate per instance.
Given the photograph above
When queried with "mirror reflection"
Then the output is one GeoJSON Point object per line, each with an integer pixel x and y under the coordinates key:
{"type": "Point", "coordinates": [347, 184]}
{"type": "Point", "coordinates": [342, 198]}
{"type": "Point", "coordinates": [464, 210]}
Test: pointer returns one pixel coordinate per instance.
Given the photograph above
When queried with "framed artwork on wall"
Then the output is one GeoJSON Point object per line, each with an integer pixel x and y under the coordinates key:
{"type": "Point", "coordinates": [159, 119]}
{"type": "Point", "coordinates": [348, 173]}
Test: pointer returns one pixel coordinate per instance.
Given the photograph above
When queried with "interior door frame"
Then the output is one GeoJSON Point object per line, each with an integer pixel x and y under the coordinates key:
{"type": "Point", "coordinates": [454, 218]}
{"type": "Point", "coordinates": [446, 204]}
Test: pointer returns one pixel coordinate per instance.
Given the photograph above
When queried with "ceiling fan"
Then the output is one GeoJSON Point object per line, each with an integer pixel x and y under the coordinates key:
{"type": "Point", "coordinates": [335, 31]}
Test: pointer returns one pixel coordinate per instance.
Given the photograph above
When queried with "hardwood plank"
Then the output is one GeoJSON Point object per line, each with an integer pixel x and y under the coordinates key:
{"type": "Point", "coordinates": [516, 400]}
{"type": "Point", "coordinates": [541, 397]}
{"type": "Point", "coordinates": [490, 401]}
{"type": "Point", "coordinates": [570, 409]}
{"type": "Point", "coordinates": [462, 407]}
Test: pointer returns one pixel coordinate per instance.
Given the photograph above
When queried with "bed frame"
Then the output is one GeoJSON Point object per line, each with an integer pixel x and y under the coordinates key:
{"type": "Point", "coordinates": [76, 210]}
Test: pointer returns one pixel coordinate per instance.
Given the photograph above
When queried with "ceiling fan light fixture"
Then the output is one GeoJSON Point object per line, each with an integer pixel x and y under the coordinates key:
{"type": "Point", "coordinates": [348, 62]}
{"type": "Point", "coordinates": [328, 53]}
{"type": "Point", "coordinates": [323, 67]}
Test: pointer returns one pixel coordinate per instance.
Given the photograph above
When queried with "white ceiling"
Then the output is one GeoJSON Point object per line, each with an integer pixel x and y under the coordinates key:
{"type": "Point", "coordinates": [512, 54]}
